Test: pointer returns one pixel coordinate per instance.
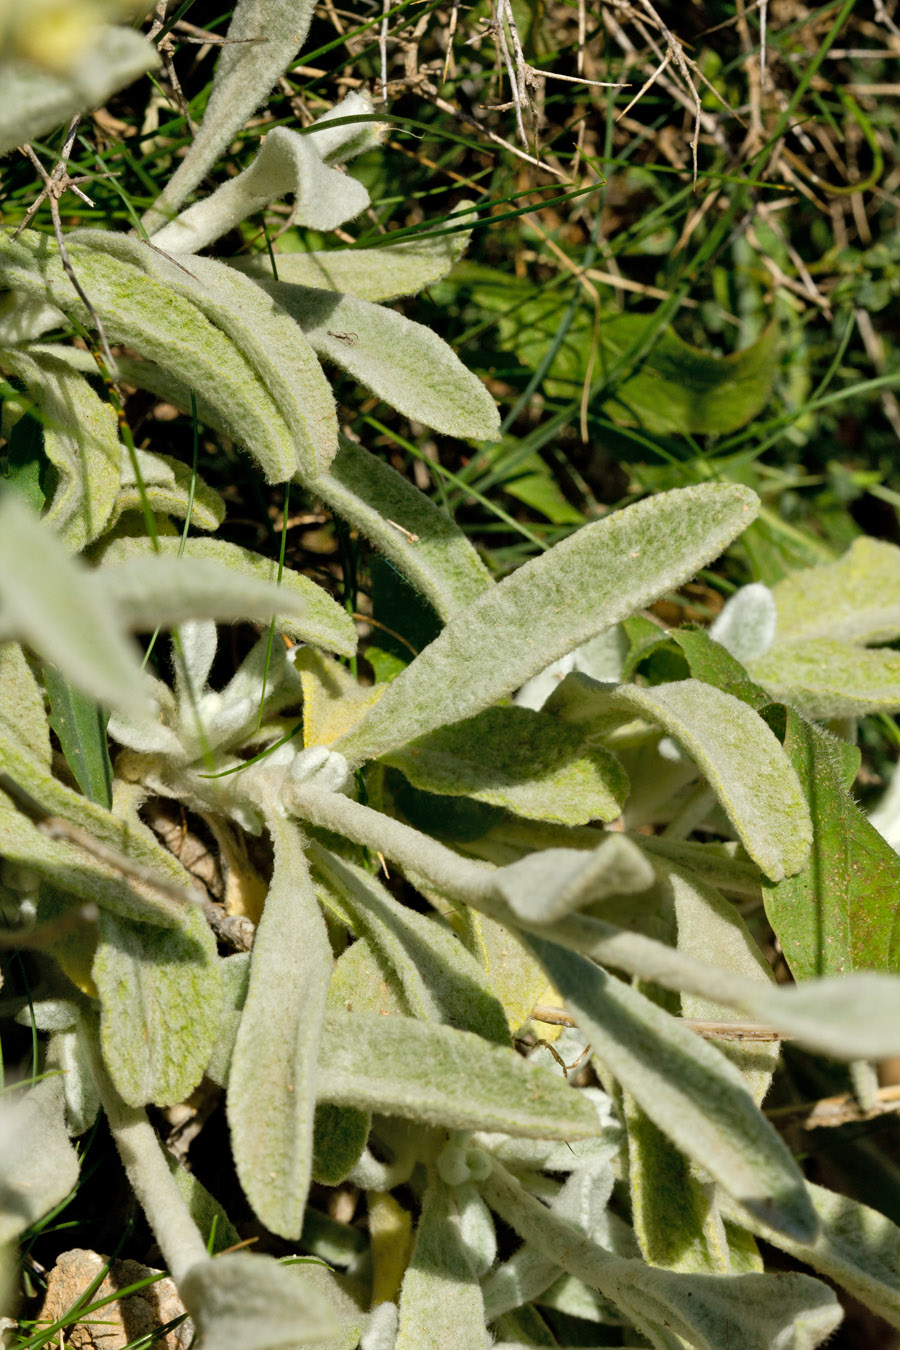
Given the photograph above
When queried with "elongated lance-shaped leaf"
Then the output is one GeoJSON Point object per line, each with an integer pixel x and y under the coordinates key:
{"type": "Point", "coordinates": [441, 1307]}
{"type": "Point", "coordinates": [825, 677]}
{"type": "Point", "coordinates": [441, 981]}
{"type": "Point", "coordinates": [840, 913]}
{"type": "Point", "coordinates": [372, 273]}
{"type": "Point", "coordinates": [48, 603]}
{"type": "Point", "coordinates": [760, 1311]}
{"type": "Point", "coordinates": [172, 488]}
{"type": "Point", "coordinates": [23, 717]}
{"type": "Point", "coordinates": [81, 440]}
{"type": "Point", "coordinates": [80, 726]}
{"type": "Point", "coordinates": [856, 1247]}
{"type": "Point", "coordinates": [35, 101]}
{"type": "Point", "coordinates": [435, 1074]}
{"type": "Point", "coordinates": [219, 580]}
{"type": "Point", "coordinates": [851, 1017]}
{"type": "Point", "coordinates": [272, 1084]}
{"type": "Point", "coordinates": [263, 38]}
{"type": "Point", "coordinates": [261, 330]}
{"type": "Point", "coordinates": [402, 362]}
{"type": "Point", "coordinates": [420, 539]}
{"type": "Point", "coordinates": [288, 162]}
{"type": "Point", "coordinates": [160, 992]}
{"type": "Point", "coordinates": [856, 599]}
{"type": "Point", "coordinates": [159, 324]}
{"type": "Point", "coordinates": [581, 587]}
{"type": "Point", "coordinates": [690, 1091]}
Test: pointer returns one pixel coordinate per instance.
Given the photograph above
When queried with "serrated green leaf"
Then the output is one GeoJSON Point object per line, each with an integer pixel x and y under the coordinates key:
{"type": "Point", "coordinates": [580, 588]}
{"type": "Point", "coordinates": [35, 100]}
{"type": "Point", "coordinates": [841, 913]}
{"type": "Point", "coordinates": [743, 762]}
{"type": "Point", "coordinates": [825, 677]}
{"type": "Point", "coordinates": [159, 994]}
{"type": "Point", "coordinates": [376, 274]}
{"type": "Point", "coordinates": [241, 584]}
{"type": "Point", "coordinates": [80, 726]}
{"type": "Point", "coordinates": [690, 1091]}
{"type": "Point", "coordinates": [526, 761]}
{"type": "Point", "coordinates": [272, 1082]}
{"type": "Point", "coordinates": [441, 1307]}
{"type": "Point", "coordinates": [440, 980]}
{"type": "Point", "coordinates": [400, 361]}
{"type": "Point", "coordinates": [441, 1076]}
{"type": "Point", "coordinates": [47, 601]}
{"type": "Point", "coordinates": [164, 327]}
{"type": "Point", "coordinates": [856, 599]}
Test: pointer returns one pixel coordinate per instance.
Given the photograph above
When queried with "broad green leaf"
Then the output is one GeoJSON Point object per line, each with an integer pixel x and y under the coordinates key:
{"type": "Point", "coordinates": [440, 1076]}
{"type": "Point", "coordinates": [171, 488]}
{"type": "Point", "coordinates": [288, 161]}
{"type": "Point", "coordinates": [80, 726]}
{"type": "Point", "coordinates": [857, 1247]}
{"type": "Point", "coordinates": [714, 664]}
{"type": "Point", "coordinates": [690, 1091]}
{"type": "Point", "coordinates": [842, 912]}
{"type": "Point", "coordinates": [525, 761]}
{"type": "Point", "coordinates": [246, 71]}
{"type": "Point", "coordinates": [363, 981]}
{"type": "Point", "coordinates": [578, 589]}
{"type": "Point", "coordinates": [26, 463]}
{"type": "Point", "coordinates": [515, 977]}
{"type": "Point", "coordinates": [420, 539]}
{"type": "Point", "coordinates": [159, 994]}
{"type": "Point", "coordinates": [48, 602]}
{"type": "Point", "coordinates": [826, 677]}
{"type": "Point", "coordinates": [81, 441]}
{"type": "Point", "coordinates": [440, 980]}
{"type": "Point", "coordinates": [84, 874]}
{"type": "Point", "coordinates": [22, 714]}
{"type": "Point", "coordinates": [441, 1307]}
{"type": "Point", "coordinates": [38, 1165]}
{"type": "Point", "coordinates": [676, 388]}
{"type": "Point", "coordinates": [248, 1300]}
{"type": "Point", "coordinates": [261, 331]}
{"type": "Point", "coordinates": [339, 1137]}
{"type": "Point", "coordinates": [219, 580]}
{"type": "Point", "coordinates": [672, 1211]}
{"type": "Point", "coordinates": [382, 273]}
{"type": "Point", "coordinates": [400, 361]}
{"type": "Point", "coordinates": [162, 326]}
{"type": "Point", "coordinates": [743, 762]}
{"type": "Point", "coordinates": [272, 1083]}
{"type": "Point", "coordinates": [35, 100]}
{"type": "Point", "coordinates": [760, 1311]}
{"type": "Point", "coordinates": [856, 599]}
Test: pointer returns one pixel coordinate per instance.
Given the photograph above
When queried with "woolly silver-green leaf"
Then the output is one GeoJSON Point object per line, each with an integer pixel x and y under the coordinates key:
{"type": "Point", "coordinates": [34, 101]}
{"type": "Point", "coordinates": [171, 488]}
{"type": "Point", "coordinates": [262, 39]}
{"type": "Point", "coordinates": [272, 1081]}
{"type": "Point", "coordinates": [216, 579]}
{"type": "Point", "coordinates": [743, 762]}
{"type": "Point", "coordinates": [159, 994]}
{"type": "Point", "coordinates": [856, 599]}
{"type": "Point", "coordinates": [686, 1087]}
{"type": "Point", "coordinates": [441, 1307]}
{"type": "Point", "coordinates": [827, 677]}
{"type": "Point", "coordinates": [375, 274]}
{"type": "Point", "coordinates": [440, 1076]}
{"type": "Point", "coordinates": [22, 713]}
{"type": "Point", "coordinates": [38, 1165]}
{"type": "Point", "coordinates": [249, 1300]}
{"type": "Point", "coordinates": [599, 575]}
{"type": "Point", "coordinates": [163, 326]}
{"type": "Point", "coordinates": [47, 601]}
{"type": "Point", "coordinates": [402, 362]}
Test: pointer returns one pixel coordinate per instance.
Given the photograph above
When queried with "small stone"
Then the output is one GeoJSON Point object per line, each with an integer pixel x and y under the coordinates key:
{"type": "Point", "coordinates": [121, 1322]}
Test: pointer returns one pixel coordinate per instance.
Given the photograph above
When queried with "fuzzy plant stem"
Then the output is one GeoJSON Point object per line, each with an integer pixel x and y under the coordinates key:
{"type": "Point", "coordinates": [179, 1238]}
